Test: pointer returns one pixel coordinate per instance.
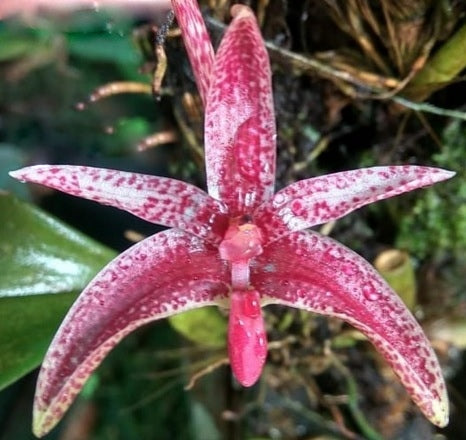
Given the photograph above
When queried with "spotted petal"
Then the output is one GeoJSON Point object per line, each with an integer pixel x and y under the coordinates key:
{"type": "Point", "coordinates": [315, 273]}
{"type": "Point", "coordinates": [313, 201]}
{"type": "Point", "coordinates": [165, 274]}
{"type": "Point", "coordinates": [197, 42]}
{"type": "Point", "coordinates": [160, 200]}
{"type": "Point", "coordinates": [240, 123]}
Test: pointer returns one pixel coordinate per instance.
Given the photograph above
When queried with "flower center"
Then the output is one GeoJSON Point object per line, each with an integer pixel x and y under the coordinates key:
{"type": "Point", "coordinates": [242, 241]}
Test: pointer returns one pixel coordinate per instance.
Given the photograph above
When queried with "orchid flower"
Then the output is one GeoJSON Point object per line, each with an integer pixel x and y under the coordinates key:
{"type": "Point", "coordinates": [239, 246]}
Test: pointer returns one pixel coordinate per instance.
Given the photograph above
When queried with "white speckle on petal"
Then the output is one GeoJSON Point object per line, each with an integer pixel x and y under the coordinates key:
{"type": "Point", "coordinates": [249, 199]}
{"type": "Point", "coordinates": [290, 219]}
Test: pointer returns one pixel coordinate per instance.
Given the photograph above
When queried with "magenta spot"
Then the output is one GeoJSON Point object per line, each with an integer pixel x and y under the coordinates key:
{"type": "Point", "coordinates": [319, 207]}
{"type": "Point", "coordinates": [132, 179]}
{"type": "Point", "coordinates": [297, 207]}
{"type": "Point", "coordinates": [349, 269]}
{"type": "Point", "coordinates": [341, 183]}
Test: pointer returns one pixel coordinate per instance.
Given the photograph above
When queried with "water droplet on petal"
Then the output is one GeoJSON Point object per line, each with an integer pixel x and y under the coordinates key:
{"type": "Point", "coordinates": [370, 293]}
{"type": "Point", "coordinates": [251, 305]}
{"type": "Point", "coordinates": [297, 208]}
{"type": "Point", "coordinates": [278, 200]}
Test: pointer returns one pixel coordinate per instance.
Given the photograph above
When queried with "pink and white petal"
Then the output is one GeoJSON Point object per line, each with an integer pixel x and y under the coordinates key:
{"type": "Point", "coordinates": [321, 199]}
{"type": "Point", "coordinates": [165, 274]}
{"type": "Point", "coordinates": [312, 272]}
{"type": "Point", "coordinates": [160, 200]}
{"type": "Point", "coordinates": [197, 42]}
{"type": "Point", "coordinates": [247, 338]}
{"type": "Point", "coordinates": [240, 122]}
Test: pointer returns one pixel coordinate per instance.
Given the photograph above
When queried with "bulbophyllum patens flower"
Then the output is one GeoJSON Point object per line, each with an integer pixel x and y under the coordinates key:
{"type": "Point", "coordinates": [238, 246]}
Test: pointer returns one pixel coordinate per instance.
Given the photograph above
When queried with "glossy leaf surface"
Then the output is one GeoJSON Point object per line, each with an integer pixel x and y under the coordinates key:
{"type": "Point", "coordinates": [44, 265]}
{"type": "Point", "coordinates": [27, 325]}
{"type": "Point", "coordinates": [41, 255]}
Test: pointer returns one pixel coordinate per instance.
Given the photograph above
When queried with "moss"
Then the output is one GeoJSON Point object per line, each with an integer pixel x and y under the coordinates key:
{"type": "Point", "coordinates": [437, 220]}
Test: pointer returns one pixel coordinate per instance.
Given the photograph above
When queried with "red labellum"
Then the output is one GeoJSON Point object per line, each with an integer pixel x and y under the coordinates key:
{"type": "Point", "coordinates": [247, 339]}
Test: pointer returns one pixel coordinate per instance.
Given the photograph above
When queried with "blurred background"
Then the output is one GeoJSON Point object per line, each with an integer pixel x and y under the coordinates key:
{"type": "Point", "coordinates": [356, 83]}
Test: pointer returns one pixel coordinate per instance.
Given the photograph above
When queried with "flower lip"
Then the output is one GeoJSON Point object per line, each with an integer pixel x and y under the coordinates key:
{"type": "Point", "coordinates": [247, 337]}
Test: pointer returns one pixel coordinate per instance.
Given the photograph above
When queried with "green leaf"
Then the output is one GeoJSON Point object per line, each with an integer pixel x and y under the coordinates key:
{"type": "Point", "coordinates": [41, 255]}
{"type": "Point", "coordinates": [440, 69]}
{"type": "Point", "coordinates": [45, 264]}
{"type": "Point", "coordinates": [204, 326]}
{"type": "Point", "coordinates": [436, 222]}
{"type": "Point", "coordinates": [131, 130]}
{"type": "Point", "coordinates": [203, 423]}
{"type": "Point", "coordinates": [12, 158]}
{"type": "Point", "coordinates": [27, 325]}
